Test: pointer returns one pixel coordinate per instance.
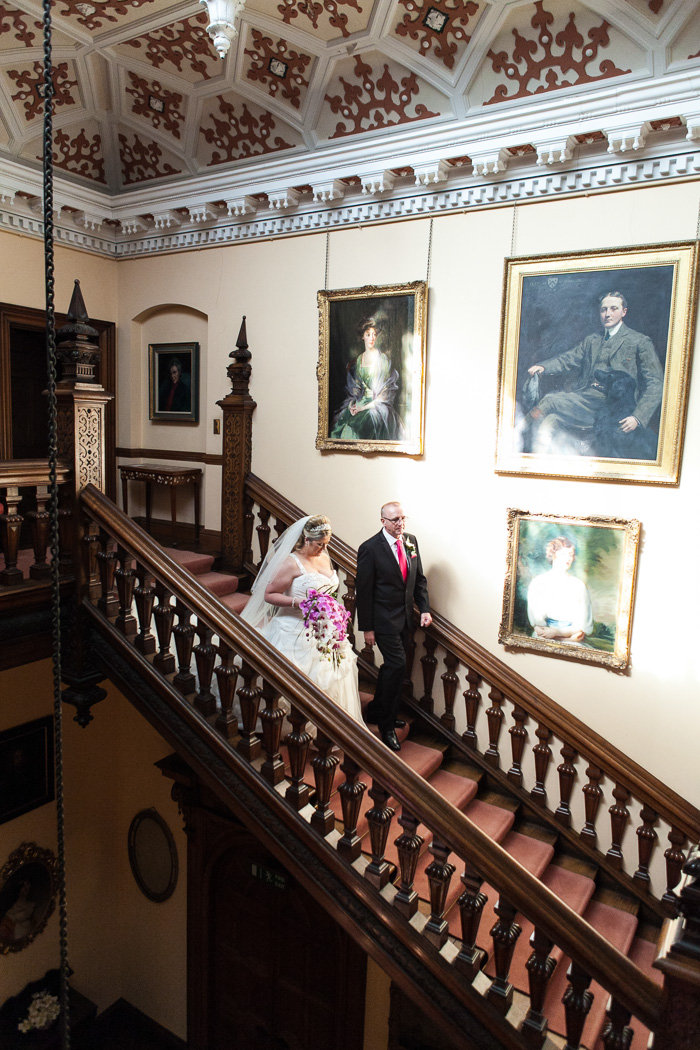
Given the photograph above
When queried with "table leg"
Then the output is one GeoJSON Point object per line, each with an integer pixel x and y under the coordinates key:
{"type": "Point", "coordinates": [148, 506]}
{"type": "Point", "coordinates": [125, 495]}
{"type": "Point", "coordinates": [197, 497]}
{"type": "Point", "coordinates": [173, 511]}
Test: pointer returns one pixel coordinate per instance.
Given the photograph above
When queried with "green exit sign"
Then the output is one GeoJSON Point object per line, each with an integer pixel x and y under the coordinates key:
{"type": "Point", "coordinates": [269, 876]}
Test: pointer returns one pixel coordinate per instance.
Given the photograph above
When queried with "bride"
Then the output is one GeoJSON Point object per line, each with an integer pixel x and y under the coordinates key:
{"type": "Point", "coordinates": [297, 564]}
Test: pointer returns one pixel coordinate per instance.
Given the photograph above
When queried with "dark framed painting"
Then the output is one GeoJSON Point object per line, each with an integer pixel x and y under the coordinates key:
{"type": "Point", "coordinates": [26, 767]}
{"type": "Point", "coordinates": [595, 363]}
{"type": "Point", "coordinates": [173, 387]}
{"type": "Point", "coordinates": [28, 883]}
{"type": "Point", "coordinates": [371, 368]}
{"type": "Point", "coordinates": [569, 586]}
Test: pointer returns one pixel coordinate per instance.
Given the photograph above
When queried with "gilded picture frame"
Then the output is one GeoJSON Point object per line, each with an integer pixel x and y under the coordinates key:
{"type": "Point", "coordinates": [26, 767]}
{"type": "Point", "coordinates": [573, 404]}
{"type": "Point", "coordinates": [28, 884]}
{"type": "Point", "coordinates": [569, 586]}
{"type": "Point", "coordinates": [371, 368]}
{"type": "Point", "coordinates": [173, 382]}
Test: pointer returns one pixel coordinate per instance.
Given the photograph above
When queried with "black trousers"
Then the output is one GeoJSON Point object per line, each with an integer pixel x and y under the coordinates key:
{"type": "Point", "coordinates": [384, 708]}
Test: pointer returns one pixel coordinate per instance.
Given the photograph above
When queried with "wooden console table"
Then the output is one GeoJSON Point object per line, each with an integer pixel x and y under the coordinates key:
{"type": "Point", "coordinates": [172, 477]}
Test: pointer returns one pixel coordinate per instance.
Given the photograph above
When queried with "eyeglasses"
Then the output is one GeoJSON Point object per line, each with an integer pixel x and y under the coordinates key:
{"type": "Point", "coordinates": [395, 521]}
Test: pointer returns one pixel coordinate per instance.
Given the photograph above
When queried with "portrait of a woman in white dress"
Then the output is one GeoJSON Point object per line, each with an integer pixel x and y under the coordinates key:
{"type": "Point", "coordinates": [559, 603]}
{"type": "Point", "coordinates": [297, 565]}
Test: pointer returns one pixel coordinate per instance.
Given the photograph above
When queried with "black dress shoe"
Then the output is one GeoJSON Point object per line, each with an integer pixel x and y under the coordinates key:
{"type": "Point", "coordinates": [399, 723]}
{"type": "Point", "coordinates": [389, 738]}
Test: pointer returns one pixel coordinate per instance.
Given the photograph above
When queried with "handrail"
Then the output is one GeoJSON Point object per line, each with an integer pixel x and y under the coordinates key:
{"type": "Point", "coordinates": [570, 932]}
{"type": "Point", "coordinates": [673, 807]}
{"type": "Point", "coordinates": [30, 472]}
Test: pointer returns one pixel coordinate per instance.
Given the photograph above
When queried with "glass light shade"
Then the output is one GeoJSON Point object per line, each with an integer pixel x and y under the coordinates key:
{"type": "Point", "coordinates": [222, 17]}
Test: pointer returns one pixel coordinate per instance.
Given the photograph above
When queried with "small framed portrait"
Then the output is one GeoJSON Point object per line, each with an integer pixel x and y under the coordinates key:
{"type": "Point", "coordinates": [26, 767]}
{"type": "Point", "coordinates": [595, 363]}
{"type": "Point", "coordinates": [371, 368]}
{"type": "Point", "coordinates": [27, 895]}
{"type": "Point", "coordinates": [569, 586]}
{"type": "Point", "coordinates": [173, 382]}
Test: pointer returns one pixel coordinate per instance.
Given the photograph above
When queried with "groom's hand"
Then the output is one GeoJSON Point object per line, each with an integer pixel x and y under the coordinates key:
{"type": "Point", "coordinates": [425, 619]}
{"type": "Point", "coordinates": [369, 638]}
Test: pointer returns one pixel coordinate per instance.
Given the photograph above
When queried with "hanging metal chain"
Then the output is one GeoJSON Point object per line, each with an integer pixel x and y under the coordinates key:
{"type": "Point", "coordinates": [328, 256]}
{"type": "Point", "coordinates": [430, 253]}
{"type": "Point", "coordinates": [53, 520]}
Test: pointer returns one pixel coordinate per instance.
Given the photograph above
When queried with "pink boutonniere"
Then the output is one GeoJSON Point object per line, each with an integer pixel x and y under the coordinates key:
{"type": "Point", "coordinates": [410, 548]}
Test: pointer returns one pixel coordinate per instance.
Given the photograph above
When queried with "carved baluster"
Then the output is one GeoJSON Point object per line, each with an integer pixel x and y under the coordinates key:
{"type": "Point", "coordinates": [540, 967]}
{"type": "Point", "coordinates": [450, 681]}
{"type": "Point", "coordinates": [504, 935]}
{"type": "Point", "coordinates": [323, 764]}
{"type": "Point", "coordinates": [472, 701]}
{"type": "Point", "coordinates": [39, 524]}
{"type": "Point", "coordinates": [297, 794]}
{"type": "Point", "coordinates": [65, 548]}
{"type": "Point", "coordinates": [249, 745]}
{"type": "Point", "coordinates": [617, 1035]}
{"type": "Point", "coordinates": [495, 718]}
{"type": "Point", "coordinates": [471, 905]}
{"type": "Point", "coordinates": [272, 718]}
{"type": "Point", "coordinates": [163, 616]}
{"type": "Point", "coordinates": [227, 676]}
{"type": "Point", "coordinates": [675, 859]}
{"type": "Point", "coordinates": [428, 663]}
{"type": "Point", "coordinates": [379, 818]}
{"type": "Point", "coordinates": [107, 566]}
{"type": "Point", "coordinates": [543, 754]}
{"type": "Point", "coordinates": [348, 600]}
{"type": "Point", "coordinates": [89, 554]}
{"type": "Point", "coordinates": [646, 840]}
{"type": "Point", "coordinates": [205, 660]}
{"type": "Point", "coordinates": [619, 815]}
{"type": "Point", "coordinates": [408, 846]}
{"type": "Point", "coordinates": [144, 597]}
{"type": "Point", "coordinates": [567, 775]}
{"type": "Point", "coordinates": [280, 527]}
{"type": "Point", "coordinates": [518, 736]}
{"type": "Point", "coordinates": [592, 794]}
{"type": "Point", "coordinates": [439, 873]}
{"type": "Point", "coordinates": [367, 654]}
{"type": "Point", "coordinates": [351, 792]}
{"type": "Point", "coordinates": [248, 522]}
{"type": "Point", "coordinates": [11, 528]}
{"type": "Point", "coordinates": [263, 531]}
{"type": "Point", "coordinates": [184, 681]}
{"type": "Point", "coordinates": [125, 578]}
{"type": "Point", "coordinates": [577, 1000]}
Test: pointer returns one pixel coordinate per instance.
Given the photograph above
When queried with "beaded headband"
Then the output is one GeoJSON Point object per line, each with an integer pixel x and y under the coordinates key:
{"type": "Point", "coordinates": [317, 530]}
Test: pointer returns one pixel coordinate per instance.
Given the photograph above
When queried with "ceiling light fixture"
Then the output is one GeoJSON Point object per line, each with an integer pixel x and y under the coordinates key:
{"type": "Point", "coordinates": [222, 18]}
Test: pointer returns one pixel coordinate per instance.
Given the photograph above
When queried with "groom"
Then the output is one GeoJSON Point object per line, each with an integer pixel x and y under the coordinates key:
{"type": "Point", "coordinates": [389, 579]}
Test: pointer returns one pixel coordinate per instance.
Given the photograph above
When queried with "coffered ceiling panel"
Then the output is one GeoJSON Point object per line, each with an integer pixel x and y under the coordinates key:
{"type": "Point", "coordinates": [142, 98]}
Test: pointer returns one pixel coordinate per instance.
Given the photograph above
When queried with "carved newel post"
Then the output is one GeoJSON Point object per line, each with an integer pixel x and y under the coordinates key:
{"type": "Point", "coordinates": [238, 407]}
{"type": "Point", "coordinates": [81, 403]}
{"type": "Point", "coordinates": [680, 965]}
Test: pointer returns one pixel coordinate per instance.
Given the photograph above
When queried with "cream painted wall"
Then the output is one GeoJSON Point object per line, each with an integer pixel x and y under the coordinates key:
{"type": "Point", "coordinates": [456, 502]}
{"type": "Point", "coordinates": [120, 943]}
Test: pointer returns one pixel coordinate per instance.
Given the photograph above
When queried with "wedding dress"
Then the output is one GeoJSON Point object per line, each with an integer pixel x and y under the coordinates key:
{"type": "Point", "coordinates": [284, 628]}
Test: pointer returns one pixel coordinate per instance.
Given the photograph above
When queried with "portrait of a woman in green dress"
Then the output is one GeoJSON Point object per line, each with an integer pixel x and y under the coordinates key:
{"type": "Point", "coordinates": [367, 412]}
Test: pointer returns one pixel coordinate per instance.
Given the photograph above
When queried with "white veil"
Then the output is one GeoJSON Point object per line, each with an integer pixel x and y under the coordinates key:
{"type": "Point", "coordinates": [257, 611]}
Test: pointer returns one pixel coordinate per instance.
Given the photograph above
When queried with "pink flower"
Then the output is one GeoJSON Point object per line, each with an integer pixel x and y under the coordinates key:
{"type": "Point", "coordinates": [326, 621]}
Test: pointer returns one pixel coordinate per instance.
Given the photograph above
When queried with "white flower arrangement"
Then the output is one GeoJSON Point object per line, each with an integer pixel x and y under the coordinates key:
{"type": "Point", "coordinates": [43, 1011]}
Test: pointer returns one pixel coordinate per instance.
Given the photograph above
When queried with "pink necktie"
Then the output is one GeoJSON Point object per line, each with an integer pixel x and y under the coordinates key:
{"type": "Point", "coordinates": [403, 564]}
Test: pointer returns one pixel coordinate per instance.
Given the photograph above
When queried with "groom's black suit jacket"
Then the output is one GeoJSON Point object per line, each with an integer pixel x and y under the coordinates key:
{"type": "Point", "coordinates": [384, 602]}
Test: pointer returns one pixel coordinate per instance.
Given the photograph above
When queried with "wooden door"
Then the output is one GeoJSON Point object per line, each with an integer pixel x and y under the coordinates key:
{"type": "Point", "coordinates": [282, 974]}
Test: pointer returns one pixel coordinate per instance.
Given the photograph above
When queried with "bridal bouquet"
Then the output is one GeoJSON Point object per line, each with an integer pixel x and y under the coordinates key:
{"type": "Point", "coordinates": [43, 1011]}
{"type": "Point", "coordinates": [326, 622]}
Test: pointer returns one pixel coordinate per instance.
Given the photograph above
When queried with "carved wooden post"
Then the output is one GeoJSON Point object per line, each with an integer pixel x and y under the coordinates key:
{"type": "Point", "coordinates": [238, 407]}
{"type": "Point", "coordinates": [12, 524]}
{"type": "Point", "coordinates": [323, 765]}
{"type": "Point", "coordinates": [681, 969]}
{"type": "Point", "coordinates": [592, 793]}
{"type": "Point", "coordinates": [577, 1000]}
{"type": "Point", "coordinates": [272, 718]}
{"type": "Point", "coordinates": [646, 840]}
{"type": "Point", "coordinates": [351, 792]}
{"type": "Point", "coordinates": [472, 701]}
{"type": "Point", "coordinates": [518, 736]}
{"type": "Point", "coordinates": [495, 718]}
{"type": "Point", "coordinates": [144, 596]}
{"type": "Point", "coordinates": [567, 775]}
{"type": "Point", "coordinates": [471, 905]}
{"type": "Point", "coordinates": [504, 935]}
{"type": "Point", "coordinates": [297, 794]}
{"type": "Point", "coordinates": [450, 681]}
{"type": "Point", "coordinates": [205, 660]}
{"type": "Point", "coordinates": [540, 967]}
{"type": "Point", "coordinates": [379, 818]}
{"type": "Point", "coordinates": [126, 580]}
{"type": "Point", "coordinates": [408, 846]}
{"type": "Point", "coordinates": [39, 522]}
{"type": "Point", "coordinates": [543, 753]}
{"type": "Point", "coordinates": [619, 815]}
{"type": "Point", "coordinates": [439, 873]}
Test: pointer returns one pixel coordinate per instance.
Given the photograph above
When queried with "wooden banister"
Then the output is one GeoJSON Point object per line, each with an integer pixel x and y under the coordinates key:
{"type": "Point", "coordinates": [550, 915]}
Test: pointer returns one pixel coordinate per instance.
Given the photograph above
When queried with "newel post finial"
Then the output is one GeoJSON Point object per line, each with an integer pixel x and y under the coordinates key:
{"type": "Point", "coordinates": [238, 407]}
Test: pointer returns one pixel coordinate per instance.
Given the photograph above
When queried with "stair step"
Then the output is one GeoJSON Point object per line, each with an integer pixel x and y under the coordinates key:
{"type": "Point", "coordinates": [219, 583]}
{"type": "Point", "coordinates": [235, 602]}
{"type": "Point", "coordinates": [191, 560]}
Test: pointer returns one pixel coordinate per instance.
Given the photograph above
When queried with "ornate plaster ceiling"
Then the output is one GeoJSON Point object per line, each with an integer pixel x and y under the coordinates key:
{"type": "Point", "coordinates": [318, 96]}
